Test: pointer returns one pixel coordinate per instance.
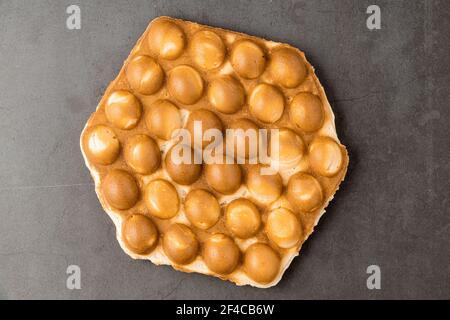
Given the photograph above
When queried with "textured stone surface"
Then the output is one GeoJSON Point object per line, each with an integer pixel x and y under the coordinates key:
{"type": "Point", "coordinates": [389, 91]}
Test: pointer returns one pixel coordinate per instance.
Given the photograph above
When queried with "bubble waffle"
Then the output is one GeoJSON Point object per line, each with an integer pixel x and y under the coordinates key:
{"type": "Point", "coordinates": [225, 220]}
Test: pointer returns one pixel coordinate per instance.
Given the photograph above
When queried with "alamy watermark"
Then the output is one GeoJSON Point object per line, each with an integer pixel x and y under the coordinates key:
{"type": "Point", "coordinates": [240, 146]}
{"type": "Point", "coordinates": [73, 281]}
{"type": "Point", "coordinates": [374, 280]}
{"type": "Point", "coordinates": [373, 22]}
{"type": "Point", "coordinates": [73, 21]}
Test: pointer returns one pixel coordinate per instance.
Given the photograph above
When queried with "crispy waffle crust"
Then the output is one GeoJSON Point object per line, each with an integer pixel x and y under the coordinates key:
{"type": "Point", "coordinates": [228, 221]}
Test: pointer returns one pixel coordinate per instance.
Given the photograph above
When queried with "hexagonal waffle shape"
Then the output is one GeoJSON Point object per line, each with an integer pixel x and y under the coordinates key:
{"type": "Point", "coordinates": [227, 221]}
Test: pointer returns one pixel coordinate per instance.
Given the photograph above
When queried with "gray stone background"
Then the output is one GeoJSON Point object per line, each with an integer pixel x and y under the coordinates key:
{"type": "Point", "coordinates": [390, 93]}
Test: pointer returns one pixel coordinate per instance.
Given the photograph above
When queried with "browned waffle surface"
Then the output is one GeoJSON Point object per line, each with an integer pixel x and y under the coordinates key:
{"type": "Point", "coordinates": [226, 220]}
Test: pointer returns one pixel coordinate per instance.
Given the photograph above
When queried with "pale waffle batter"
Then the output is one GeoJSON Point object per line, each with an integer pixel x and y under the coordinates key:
{"type": "Point", "coordinates": [225, 220]}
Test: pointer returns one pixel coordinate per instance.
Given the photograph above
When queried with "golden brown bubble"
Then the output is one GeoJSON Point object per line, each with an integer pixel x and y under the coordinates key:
{"type": "Point", "coordinates": [162, 119]}
{"type": "Point", "coordinates": [207, 49]}
{"type": "Point", "coordinates": [283, 228]}
{"type": "Point", "coordinates": [182, 173]}
{"type": "Point", "coordinates": [161, 199]}
{"type": "Point", "coordinates": [266, 103]}
{"type": "Point", "coordinates": [123, 110]}
{"type": "Point", "coordinates": [139, 234]}
{"type": "Point", "coordinates": [101, 145]}
{"type": "Point", "coordinates": [208, 120]}
{"type": "Point", "coordinates": [166, 39]}
{"type": "Point", "coordinates": [287, 67]}
{"type": "Point", "coordinates": [248, 59]}
{"type": "Point", "coordinates": [142, 154]}
{"type": "Point", "coordinates": [202, 209]}
{"type": "Point", "coordinates": [305, 192]}
{"type": "Point", "coordinates": [120, 189]}
{"type": "Point", "coordinates": [291, 147]}
{"type": "Point", "coordinates": [221, 254]}
{"type": "Point", "coordinates": [266, 188]}
{"type": "Point", "coordinates": [226, 94]}
{"type": "Point", "coordinates": [261, 263]}
{"type": "Point", "coordinates": [224, 178]}
{"type": "Point", "coordinates": [144, 75]}
{"type": "Point", "coordinates": [180, 244]}
{"type": "Point", "coordinates": [306, 112]}
{"type": "Point", "coordinates": [325, 156]}
{"type": "Point", "coordinates": [185, 84]}
{"type": "Point", "coordinates": [242, 218]}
